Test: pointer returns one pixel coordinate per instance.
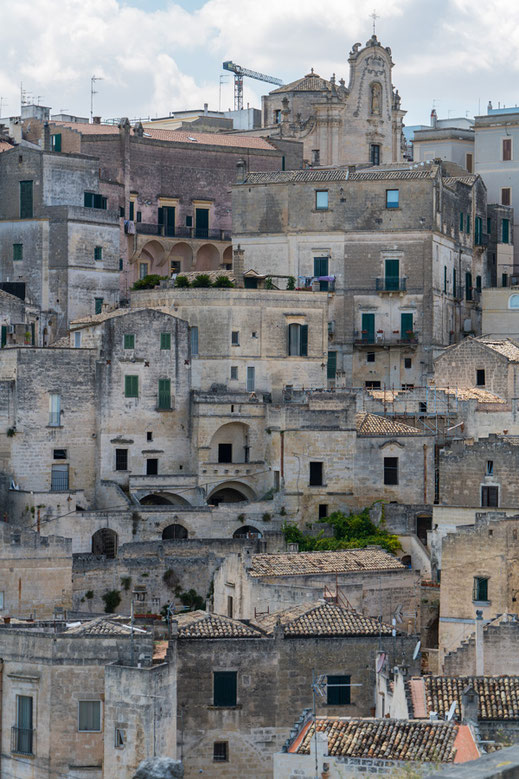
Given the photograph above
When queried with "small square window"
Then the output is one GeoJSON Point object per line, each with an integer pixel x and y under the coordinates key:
{"type": "Point", "coordinates": [17, 252]}
{"type": "Point", "coordinates": [129, 341]}
{"type": "Point", "coordinates": [98, 253]}
{"type": "Point", "coordinates": [372, 384]}
{"type": "Point", "coordinates": [120, 738]}
{"type": "Point", "coordinates": [149, 436]}
{"type": "Point", "coordinates": [370, 357]}
{"type": "Point", "coordinates": [165, 340]}
{"type": "Point", "coordinates": [480, 588]}
{"type": "Point", "coordinates": [408, 363]}
{"type": "Point", "coordinates": [220, 751]}
{"type": "Point", "coordinates": [321, 200]}
{"type": "Point", "coordinates": [316, 474]}
{"type": "Point", "coordinates": [480, 377]}
{"type": "Point", "coordinates": [234, 372]}
{"type": "Point", "coordinates": [89, 716]}
{"type": "Point", "coordinates": [59, 454]}
{"type": "Point", "coordinates": [235, 338]}
{"type": "Point", "coordinates": [254, 334]}
{"type": "Point", "coordinates": [490, 467]}
{"type": "Point", "coordinates": [392, 198]}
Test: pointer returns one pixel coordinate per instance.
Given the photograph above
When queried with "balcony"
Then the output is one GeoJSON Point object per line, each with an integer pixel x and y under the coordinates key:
{"type": "Point", "coordinates": [165, 231]}
{"type": "Point", "coordinates": [391, 284]}
{"type": "Point", "coordinates": [362, 338]}
{"type": "Point", "coordinates": [23, 740]}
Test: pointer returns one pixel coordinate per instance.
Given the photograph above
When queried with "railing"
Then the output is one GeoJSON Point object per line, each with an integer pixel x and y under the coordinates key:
{"type": "Point", "coordinates": [481, 240]}
{"type": "Point", "coordinates": [381, 339]}
{"type": "Point", "coordinates": [146, 228]}
{"type": "Point", "coordinates": [22, 740]}
{"type": "Point", "coordinates": [391, 284]}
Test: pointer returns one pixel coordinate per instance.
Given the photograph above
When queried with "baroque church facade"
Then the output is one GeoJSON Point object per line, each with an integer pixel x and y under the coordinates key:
{"type": "Point", "coordinates": [339, 124]}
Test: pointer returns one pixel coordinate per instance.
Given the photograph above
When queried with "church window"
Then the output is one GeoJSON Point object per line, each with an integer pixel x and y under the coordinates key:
{"type": "Point", "coordinates": [376, 99]}
{"type": "Point", "coordinates": [374, 154]}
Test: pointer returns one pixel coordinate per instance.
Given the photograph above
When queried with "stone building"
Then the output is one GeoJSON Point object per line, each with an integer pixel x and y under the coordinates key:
{"type": "Point", "coordinates": [340, 124]}
{"type": "Point", "coordinates": [370, 580]}
{"type": "Point", "coordinates": [56, 236]}
{"type": "Point", "coordinates": [496, 649]}
{"type": "Point", "coordinates": [500, 312]}
{"type": "Point", "coordinates": [19, 318]}
{"type": "Point", "coordinates": [400, 249]}
{"type": "Point", "coordinates": [83, 700]}
{"type": "Point", "coordinates": [240, 681]}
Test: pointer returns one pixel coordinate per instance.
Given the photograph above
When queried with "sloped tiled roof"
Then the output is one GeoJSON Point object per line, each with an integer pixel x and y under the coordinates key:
{"type": "Point", "coordinates": [201, 624]}
{"type": "Point", "coordinates": [472, 393]}
{"type": "Point", "coordinates": [450, 180]}
{"type": "Point", "coordinates": [5, 146]}
{"type": "Point", "coordinates": [305, 563]}
{"type": "Point", "coordinates": [309, 83]}
{"type": "Point", "coordinates": [386, 739]}
{"type": "Point", "coordinates": [373, 424]}
{"type": "Point", "coordinates": [498, 695]}
{"type": "Point", "coordinates": [100, 626]}
{"type": "Point", "coordinates": [504, 346]}
{"type": "Point", "coordinates": [95, 319]}
{"type": "Point", "coordinates": [323, 619]}
{"type": "Point", "coordinates": [341, 174]}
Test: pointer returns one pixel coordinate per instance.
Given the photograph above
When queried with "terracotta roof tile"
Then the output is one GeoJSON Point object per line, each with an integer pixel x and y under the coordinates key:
{"type": "Point", "coordinates": [498, 695]}
{"type": "Point", "coordinates": [504, 346]}
{"type": "Point", "coordinates": [101, 626]}
{"type": "Point", "coordinates": [373, 424]}
{"type": "Point", "coordinates": [5, 146]}
{"type": "Point", "coordinates": [305, 563]}
{"type": "Point", "coordinates": [201, 624]}
{"type": "Point", "coordinates": [309, 83]}
{"type": "Point", "coordinates": [340, 174]}
{"type": "Point", "coordinates": [387, 739]}
{"type": "Point", "coordinates": [322, 619]}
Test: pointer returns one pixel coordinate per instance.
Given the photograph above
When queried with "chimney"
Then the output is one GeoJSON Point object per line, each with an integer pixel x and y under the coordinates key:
{"type": "Point", "coordinates": [434, 117]}
{"type": "Point", "coordinates": [46, 137]}
{"type": "Point", "coordinates": [96, 119]}
{"type": "Point", "coordinates": [238, 265]}
{"type": "Point", "coordinates": [241, 171]}
{"type": "Point", "coordinates": [469, 704]}
{"type": "Point", "coordinates": [480, 656]}
{"type": "Point", "coordinates": [206, 106]}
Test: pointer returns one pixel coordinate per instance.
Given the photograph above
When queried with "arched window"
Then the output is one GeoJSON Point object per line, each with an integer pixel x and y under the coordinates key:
{"type": "Point", "coordinates": [513, 301]}
{"type": "Point", "coordinates": [376, 99]}
{"type": "Point", "coordinates": [104, 541]}
{"type": "Point", "coordinates": [174, 532]}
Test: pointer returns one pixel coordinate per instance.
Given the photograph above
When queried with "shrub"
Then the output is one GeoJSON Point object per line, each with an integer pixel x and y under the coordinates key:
{"type": "Point", "coordinates": [89, 594]}
{"type": "Point", "coordinates": [182, 281]}
{"type": "Point", "coordinates": [269, 284]}
{"type": "Point", "coordinates": [223, 281]}
{"type": "Point", "coordinates": [282, 511]}
{"type": "Point", "coordinates": [170, 579]}
{"type": "Point", "coordinates": [202, 280]}
{"type": "Point", "coordinates": [266, 517]}
{"type": "Point", "coordinates": [192, 600]}
{"type": "Point", "coordinates": [125, 582]}
{"type": "Point", "coordinates": [291, 283]}
{"type": "Point", "coordinates": [149, 281]}
{"type": "Point", "coordinates": [111, 599]}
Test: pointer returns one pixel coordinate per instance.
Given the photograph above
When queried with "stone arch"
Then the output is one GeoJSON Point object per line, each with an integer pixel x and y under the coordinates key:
{"type": "Point", "coordinates": [207, 258]}
{"type": "Point", "coordinates": [163, 499]}
{"type": "Point", "coordinates": [230, 444]}
{"type": "Point", "coordinates": [230, 492]}
{"type": "Point", "coordinates": [154, 253]}
{"type": "Point", "coordinates": [247, 531]}
{"type": "Point", "coordinates": [513, 301]}
{"type": "Point", "coordinates": [174, 532]}
{"type": "Point", "coordinates": [104, 541]}
{"type": "Point", "coordinates": [227, 255]}
{"type": "Point", "coordinates": [181, 253]}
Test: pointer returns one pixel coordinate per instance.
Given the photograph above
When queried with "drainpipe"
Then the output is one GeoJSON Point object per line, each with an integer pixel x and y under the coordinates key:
{"type": "Point", "coordinates": [282, 454]}
{"type": "Point", "coordinates": [425, 473]}
{"type": "Point", "coordinates": [1, 707]}
{"type": "Point", "coordinates": [480, 657]}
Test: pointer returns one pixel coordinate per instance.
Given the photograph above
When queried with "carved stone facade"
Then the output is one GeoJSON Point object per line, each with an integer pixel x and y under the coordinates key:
{"type": "Point", "coordinates": [340, 124]}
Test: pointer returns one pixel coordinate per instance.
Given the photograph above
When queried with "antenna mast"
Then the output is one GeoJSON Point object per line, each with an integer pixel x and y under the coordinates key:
{"type": "Point", "coordinates": [92, 93]}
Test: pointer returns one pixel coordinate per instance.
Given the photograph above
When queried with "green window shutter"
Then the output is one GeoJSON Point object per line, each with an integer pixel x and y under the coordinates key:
{"type": "Point", "coordinates": [224, 690]}
{"type": "Point", "coordinates": [468, 224]}
{"type": "Point", "coordinates": [454, 290]}
{"type": "Point", "coordinates": [468, 285]}
{"type": "Point", "coordinates": [98, 253]}
{"type": "Point", "coordinates": [331, 369]}
{"type": "Point", "coordinates": [129, 341]}
{"type": "Point", "coordinates": [26, 204]}
{"type": "Point", "coordinates": [445, 278]}
{"type": "Point", "coordinates": [164, 393]}
{"type": "Point", "coordinates": [462, 221]}
{"type": "Point", "coordinates": [98, 305]}
{"type": "Point", "coordinates": [132, 209]}
{"type": "Point", "coordinates": [131, 386]}
{"type": "Point", "coordinates": [89, 200]}
{"type": "Point", "coordinates": [478, 230]}
{"type": "Point", "coordinates": [406, 326]}
{"type": "Point", "coordinates": [56, 142]}
{"type": "Point", "coordinates": [303, 345]}
{"type": "Point", "coordinates": [160, 216]}
{"type": "Point", "coordinates": [392, 269]}
{"type": "Point", "coordinates": [17, 252]}
{"type": "Point", "coordinates": [320, 266]}
{"type": "Point", "coordinates": [4, 336]}
{"type": "Point", "coordinates": [368, 328]}
{"type": "Point", "coordinates": [165, 340]}
{"type": "Point", "coordinates": [478, 283]}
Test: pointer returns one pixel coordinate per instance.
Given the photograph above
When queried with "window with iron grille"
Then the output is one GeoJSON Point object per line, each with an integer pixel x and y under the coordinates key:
{"type": "Point", "coordinates": [220, 751]}
{"type": "Point", "coordinates": [121, 459]}
{"type": "Point", "coordinates": [59, 478]}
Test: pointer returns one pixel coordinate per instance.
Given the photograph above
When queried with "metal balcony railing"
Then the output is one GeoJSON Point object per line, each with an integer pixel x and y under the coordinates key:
{"type": "Point", "coordinates": [391, 284]}
{"type": "Point", "coordinates": [168, 231]}
{"type": "Point", "coordinates": [23, 740]}
{"type": "Point", "coordinates": [362, 338]}
{"type": "Point", "coordinates": [59, 482]}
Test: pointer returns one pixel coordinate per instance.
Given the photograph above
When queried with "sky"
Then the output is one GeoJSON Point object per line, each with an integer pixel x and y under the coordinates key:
{"type": "Point", "coordinates": [159, 56]}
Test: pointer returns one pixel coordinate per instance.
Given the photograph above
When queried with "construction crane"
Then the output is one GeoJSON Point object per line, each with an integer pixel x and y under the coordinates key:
{"type": "Point", "coordinates": [239, 73]}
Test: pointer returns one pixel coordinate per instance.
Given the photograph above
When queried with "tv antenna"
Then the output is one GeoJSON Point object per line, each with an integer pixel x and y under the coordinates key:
{"type": "Point", "coordinates": [93, 92]}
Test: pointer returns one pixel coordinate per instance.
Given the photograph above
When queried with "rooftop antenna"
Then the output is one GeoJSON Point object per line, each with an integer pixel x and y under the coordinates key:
{"type": "Point", "coordinates": [374, 16]}
{"type": "Point", "coordinates": [92, 93]}
{"type": "Point", "coordinates": [3, 102]}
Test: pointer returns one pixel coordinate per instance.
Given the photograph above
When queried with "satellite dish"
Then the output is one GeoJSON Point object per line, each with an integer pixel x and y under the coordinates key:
{"type": "Point", "coordinates": [452, 710]}
{"type": "Point", "coordinates": [417, 650]}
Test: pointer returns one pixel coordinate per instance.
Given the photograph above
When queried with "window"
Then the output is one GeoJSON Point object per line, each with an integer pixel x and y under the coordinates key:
{"type": "Point", "coordinates": [131, 212]}
{"type": "Point", "coordinates": [220, 751]}
{"type": "Point", "coordinates": [131, 386]}
{"type": "Point", "coordinates": [189, 221]}
{"type": "Point", "coordinates": [489, 224]}
{"type": "Point", "coordinates": [422, 407]}
{"type": "Point", "coordinates": [480, 588]}
{"type": "Point", "coordinates": [59, 478]}
{"type": "Point", "coordinates": [164, 394]}
{"type": "Point", "coordinates": [235, 338]}
{"type": "Point", "coordinates": [194, 341]}
{"type": "Point", "coordinates": [149, 436]}
{"type": "Point", "coordinates": [321, 272]}
{"type": "Point", "coordinates": [505, 230]}
{"type": "Point", "coordinates": [89, 716]}
{"type": "Point", "coordinates": [77, 340]}
{"type": "Point", "coordinates": [504, 279]}
{"type": "Point", "coordinates": [370, 357]}
{"type": "Point", "coordinates": [224, 688]}
{"type": "Point", "coordinates": [480, 377]}
{"type": "Point", "coordinates": [120, 263]}
{"type": "Point", "coordinates": [250, 283]}
{"type": "Point", "coordinates": [390, 470]}
{"type": "Point", "coordinates": [59, 454]}
{"type": "Point", "coordinates": [490, 497]}
{"type": "Point", "coordinates": [17, 252]}
{"type": "Point", "coordinates": [225, 453]}
{"type": "Point", "coordinates": [121, 459]}
{"type": "Point", "coordinates": [490, 467]}
{"type": "Point", "coordinates": [92, 200]}
{"type": "Point", "coordinates": [297, 340]}
{"type": "Point", "coordinates": [139, 216]}
{"type": "Point", "coordinates": [406, 327]}
{"type": "Point", "coordinates": [202, 222]}
{"type": "Point", "coordinates": [277, 116]}
{"type": "Point", "coordinates": [462, 222]}
{"type": "Point", "coordinates": [331, 365]}
{"type": "Point", "coordinates": [371, 384]}
{"type": "Point", "coordinates": [152, 466]}
{"type": "Point", "coordinates": [469, 162]}
{"type": "Point", "coordinates": [445, 283]}
{"type": "Point", "coordinates": [119, 738]}
{"type": "Point", "coordinates": [26, 205]}
{"type": "Point", "coordinates": [129, 341]}
{"type": "Point", "coordinates": [468, 285]}
{"type": "Point", "coordinates": [454, 290]}
{"type": "Point", "coordinates": [165, 340]}
{"type": "Point", "coordinates": [478, 283]}
{"type": "Point", "coordinates": [392, 274]}
{"type": "Point", "coordinates": [234, 372]}
{"type": "Point", "coordinates": [506, 196]}
{"type": "Point", "coordinates": [143, 270]}
{"type": "Point", "coordinates": [408, 363]}
{"type": "Point", "coordinates": [98, 305]}
{"type": "Point", "coordinates": [316, 474]}
{"type": "Point", "coordinates": [507, 149]}
{"type": "Point", "coordinates": [56, 142]}
{"type": "Point", "coordinates": [467, 223]}
{"type": "Point", "coordinates": [323, 510]}
{"type": "Point", "coordinates": [392, 198]}
{"type": "Point", "coordinates": [408, 386]}
{"type": "Point", "coordinates": [368, 328]}
{"type": "Point", "coordinates": [23, 732]}
{"type": "Point", "coordinates": [251, 379]}
{"type": "Point", "coordinates": [478, 231]}
{"type": "Point", "coordinates": [1, 600]}
{"type": "Point", "coordinates": [321, 199]}
{"type": "Point", "coordinates": [337, 690]}
{"type": "Point", "coordinates": [98, 253]}
{"type": "Point", "coordinates": [374, 154]}
{"type": "Point", "coordinates": [54, 410]}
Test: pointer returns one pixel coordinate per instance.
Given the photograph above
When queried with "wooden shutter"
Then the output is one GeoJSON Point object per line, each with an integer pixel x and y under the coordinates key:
{"type": "Point", "coordinates": [368, 327]}
{"type": "Point", "coordinates": [331, 369]}
{"type": "Point", "coordinates": [26, 204]}
{"type": "Point", "coordinates": [164, 393]}
{"type": "Point", "coordinates": [507, 149]}
{"type": "Point", "coordinates": [131, 386]}
{"type": "Point", "coordinates": [165, 340]}
{"type": "Point", "coordinates": [224, 691]}
{"type": "Point", "coordinates": [303, 342]}
{"type": "Point", "coordinates": [406, 326]}
{"type": "Point", "coordinates": [392, 274]}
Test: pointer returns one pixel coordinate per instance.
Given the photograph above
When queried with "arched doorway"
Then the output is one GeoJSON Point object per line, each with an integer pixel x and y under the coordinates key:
{"type": "Point", "coordinates": [230, 492]}
{"type": "Point", "coordinates": [227, 258]}
{"type": "Point", "coordinates": [104, 541]}
{"type": "Point", "coordinates": [174, 532]}
{"type": "Point", "coordinates": [246, 531]}
{"type": "Point", "coordinates": [181, 258]}
{"type": "Point", "coordinates": [207, 258]}
{"type": "Point", "coordinates": [153, 254]}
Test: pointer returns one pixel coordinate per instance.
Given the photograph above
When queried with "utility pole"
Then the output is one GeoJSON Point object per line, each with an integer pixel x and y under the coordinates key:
{"type": "Point", "coordinates": [92, 93]}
